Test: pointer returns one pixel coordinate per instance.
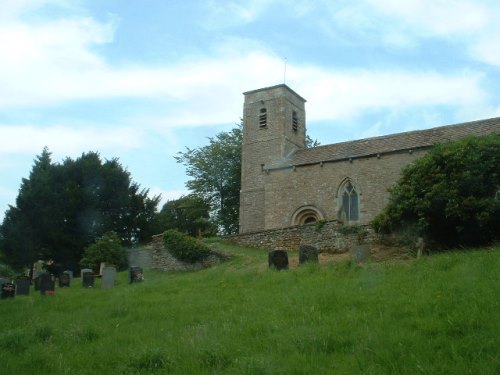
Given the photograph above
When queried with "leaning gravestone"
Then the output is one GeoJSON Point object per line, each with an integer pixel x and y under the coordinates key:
{"type": "Point", "coordinates": [308, 253]}
{"type": "Point", "coordinates": [47, 284]}
{"type": "Point", "coordinates": [136, 275]}
{"type": "Point", "coordinates": [64, 280]}
{"type": "Point", "coordinates": [8, 290]}
{"type": "Point", "coordinates": [88, 279]}
{"type": "Point", "coordinates": [23, 285]}
{"type": "Point", "coordinates": [278, 259]}
{"type": "Point", "coordinates": [108, 277]}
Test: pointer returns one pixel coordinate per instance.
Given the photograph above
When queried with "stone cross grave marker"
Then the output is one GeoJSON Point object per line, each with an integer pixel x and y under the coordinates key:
{"type": "Point", "coordinates": [278, 259]}
{"type": "Point", "coordinates": [23, 285]}
{"type": "Point", "coordinates": [108, 277]}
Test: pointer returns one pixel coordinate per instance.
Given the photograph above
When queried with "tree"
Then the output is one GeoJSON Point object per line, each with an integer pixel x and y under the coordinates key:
{"type": "Point", "coordinates": [107, 249]}
{"type": "Point", "coordinates": [216, 176]}
{"type": "Point", "coordinates": [188, 214]}
{"type": "Point", "coordinates": [63, 208]}
{"type": "Point", "coordinates": [450, 195]}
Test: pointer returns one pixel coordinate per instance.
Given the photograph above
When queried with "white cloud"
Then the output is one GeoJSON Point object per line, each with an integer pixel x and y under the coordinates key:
{"type": "Point", "coordinates": [66, 141]}
{"type": "Point", "coordinates": [342, 95]}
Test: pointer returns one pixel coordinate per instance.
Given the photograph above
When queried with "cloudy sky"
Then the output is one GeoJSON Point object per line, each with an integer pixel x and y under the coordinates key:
{"type": "Point", "coordinates": [142, 80]}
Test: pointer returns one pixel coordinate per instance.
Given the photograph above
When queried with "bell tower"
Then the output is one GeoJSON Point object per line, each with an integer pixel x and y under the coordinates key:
{"type": "Point", "coordinates": [273, 127]}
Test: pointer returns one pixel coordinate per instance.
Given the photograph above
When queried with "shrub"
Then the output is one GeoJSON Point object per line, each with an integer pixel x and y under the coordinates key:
{"type": "Point", "coordinates": [183, 247]}
{"type": "Point", "coordinates": [450, 195]}
{"type": "Point", "coordinates": [107, 249]}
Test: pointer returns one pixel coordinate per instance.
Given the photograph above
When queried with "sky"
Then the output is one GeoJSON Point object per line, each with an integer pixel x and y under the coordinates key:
{"type": "Point", "coordinates": [142, 80]}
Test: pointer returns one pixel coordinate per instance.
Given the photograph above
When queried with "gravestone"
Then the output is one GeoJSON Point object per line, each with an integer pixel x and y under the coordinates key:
{"type": "Point", "coordinates": [88, 279]}
{"type": "Point", "coordinates": [70, 273]}
{"type": "Point", "coordinates": [23, 285]}
{"type": "Point", "coordinates": [86, 270]}
{"type": "Point", "coordinates": [136, 275]}
{"type": "Point", "coordinates": [64, 280]}
{"type": "Point", "coordinates": [278, 259]}
{"type": "Point", "coordinates": [108, 277]}
{"type": "Point", "coordinates": [308, 253]}
{"type": "Point", "coordinates": [36, 282]}
{"type": "Point", "coordinates": [8, 290]}
{"type": "Point", "coordinates": [360, 253]}
{"type": "Point", "coordinates": [47, 284]}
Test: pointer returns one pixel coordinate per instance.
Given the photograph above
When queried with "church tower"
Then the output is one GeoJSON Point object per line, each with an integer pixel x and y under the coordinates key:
{"type": "Point", "coordinates": [273, 127]}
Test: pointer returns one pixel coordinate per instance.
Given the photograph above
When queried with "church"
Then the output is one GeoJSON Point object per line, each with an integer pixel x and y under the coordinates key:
{"type": "Point", "coordinates": [284, 184]}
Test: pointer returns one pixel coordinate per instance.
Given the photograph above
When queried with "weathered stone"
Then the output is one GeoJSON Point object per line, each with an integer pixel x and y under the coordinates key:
{"type": "Point", "coordinates": [136, 275]}
{"type": "Point", "coordinates": [88, 279]}
{"type": "Point", "coordinates": [23, 285]}
{"type": "Point", "coordinates": [47, 284]}
{"type": "Point", "coordinates": [163, 260]}
{"type": "Point", "coordinates": [360, 253]}
{"type": "Point", "coordinates": [108, 277]}
{"type": "Point", "coordinates": [8, 290]}
{"type": "Point", "coordinates": [308, 253]}
{"type": "Point", "coordinates": [278, 259]}
{"type": "Point", "coordinates": [64, 280]}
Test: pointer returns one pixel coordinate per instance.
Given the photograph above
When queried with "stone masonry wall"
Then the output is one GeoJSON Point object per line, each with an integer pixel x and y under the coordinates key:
{"type": "Point", "coordinates": [164, 261]}
{"type": "Point", "coordinates": [330, 236]}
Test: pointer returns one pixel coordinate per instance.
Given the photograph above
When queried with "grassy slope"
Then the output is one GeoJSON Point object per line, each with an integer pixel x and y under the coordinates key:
{"type": "Point", "coordinates": [435, 315]}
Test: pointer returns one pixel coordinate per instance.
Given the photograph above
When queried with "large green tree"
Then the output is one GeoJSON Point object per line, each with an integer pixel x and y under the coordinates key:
{"type": "Point", "coordinates": [450, 195]}
{"type": "Point", "coordinates": [189, 214]}
{"type": "Point", "coordinates": [216, 176]}
{"type": "Point", "coordinates": [215, 171]}
{"type": "Point", "coordinates": [64, 207]}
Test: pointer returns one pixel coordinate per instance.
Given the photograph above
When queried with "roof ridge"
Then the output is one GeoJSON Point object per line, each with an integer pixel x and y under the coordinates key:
{"type": "Point", "coordinates": [409, 132]}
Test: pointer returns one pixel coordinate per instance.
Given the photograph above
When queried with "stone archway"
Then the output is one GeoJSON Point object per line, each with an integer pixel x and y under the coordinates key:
{"type": "Point", "coordinates": [306, 215]}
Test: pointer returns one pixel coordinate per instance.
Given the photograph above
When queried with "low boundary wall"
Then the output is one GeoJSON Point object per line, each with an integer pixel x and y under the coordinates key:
{"type": "Point", "coordinates": [326, 236]}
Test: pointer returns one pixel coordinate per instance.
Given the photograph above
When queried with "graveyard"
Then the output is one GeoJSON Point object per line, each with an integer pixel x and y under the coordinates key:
{"type": "Point", "coordinates": [436, 314]}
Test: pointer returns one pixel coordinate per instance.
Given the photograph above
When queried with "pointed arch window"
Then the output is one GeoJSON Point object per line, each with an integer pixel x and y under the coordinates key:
{"type": "Point", "coordinates": [349, 209]}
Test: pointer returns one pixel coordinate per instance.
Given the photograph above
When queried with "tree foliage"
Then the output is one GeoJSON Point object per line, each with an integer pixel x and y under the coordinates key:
{"type": "Point", "coordinates": [184, 247]}
{"type": "Point", "coordinates": [63, 208]}
{"type": "Point", "coordinates": [188, 214]}
{"type": "Point", "coordinates": [107, 249]}
{"type": "Point", "coordinates": [215, 170]}
{"type": "Point", "coordinates": [451, 195]}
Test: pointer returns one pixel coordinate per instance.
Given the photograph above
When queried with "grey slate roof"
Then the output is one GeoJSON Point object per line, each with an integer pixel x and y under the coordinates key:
{"type": "Point", "coordinates": [392, 143]}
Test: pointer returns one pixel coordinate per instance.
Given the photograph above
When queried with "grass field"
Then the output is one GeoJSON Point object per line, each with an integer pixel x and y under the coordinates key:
{"type": "Point", "coordinates": [435, 315]}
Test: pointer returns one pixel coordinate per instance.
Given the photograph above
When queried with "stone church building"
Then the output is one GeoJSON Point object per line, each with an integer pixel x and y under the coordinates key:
{"type": "Point", "coordinates": [285, 184]}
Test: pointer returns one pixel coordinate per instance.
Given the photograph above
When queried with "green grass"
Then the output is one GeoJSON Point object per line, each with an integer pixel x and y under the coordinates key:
{"type": "Point", "coordinates": [436, 315]}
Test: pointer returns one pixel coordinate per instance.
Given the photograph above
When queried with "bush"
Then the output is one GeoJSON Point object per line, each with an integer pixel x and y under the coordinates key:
{"type": "Point", "coordinates": [450, 195]}
{"type": "Point", "coordinates": [108, 249]}
{"type": "Point", "coordinates": [183, 247]}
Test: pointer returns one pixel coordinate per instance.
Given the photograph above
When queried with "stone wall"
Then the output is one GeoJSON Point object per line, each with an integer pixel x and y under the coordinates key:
{"type": "Point", "coordinates": [329, 236]}
{"type": "Point", "coordinates": [287, 190]}
{"type": "Point", "coordinates": [140, 257]}
{"type": "Point", "coordinates": [164, 261]}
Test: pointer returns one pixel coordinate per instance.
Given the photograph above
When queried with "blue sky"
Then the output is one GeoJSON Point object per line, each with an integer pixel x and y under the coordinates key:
{"type": "Point", "coordinates": [142, 80]}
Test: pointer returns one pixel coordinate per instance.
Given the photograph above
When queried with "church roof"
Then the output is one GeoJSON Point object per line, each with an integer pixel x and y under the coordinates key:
{"type": "Point", "coordinates": [412, 140]}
